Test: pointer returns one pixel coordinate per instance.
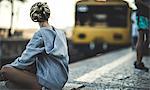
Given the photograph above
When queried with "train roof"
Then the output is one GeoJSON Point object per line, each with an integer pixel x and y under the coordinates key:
{"type": "Point", "coordinates": [98, 2]}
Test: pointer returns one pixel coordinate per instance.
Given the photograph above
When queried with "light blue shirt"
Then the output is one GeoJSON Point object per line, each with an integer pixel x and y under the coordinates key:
{"type": "Point", "coordinates": [134, 24]}
{"type": "Point", "coordinates": [48, 48]}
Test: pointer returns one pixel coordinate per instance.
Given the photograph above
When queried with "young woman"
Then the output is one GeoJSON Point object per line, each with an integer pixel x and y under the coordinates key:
{"type": "Point", "coordinates": [143, 20]}
{"type": "Point", "coordinates": [44, 62]}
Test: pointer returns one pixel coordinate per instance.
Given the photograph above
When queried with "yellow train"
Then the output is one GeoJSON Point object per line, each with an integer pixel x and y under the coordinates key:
{"type": "Point", "coordinates": [99, 25]}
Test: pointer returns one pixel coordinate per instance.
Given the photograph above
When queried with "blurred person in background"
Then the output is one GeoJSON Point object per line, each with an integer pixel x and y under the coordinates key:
{"type": "Point", "coordinates": [44, 63]}
{"type": "Point", "coordinates": [134, 32]}
{"type": "Point", "coordinates": [143, 21]}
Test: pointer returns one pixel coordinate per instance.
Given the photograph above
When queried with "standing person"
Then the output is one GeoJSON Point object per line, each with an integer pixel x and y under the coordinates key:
{"type": "Point", "coordinates": [134, 32]}
{"type": "Point", "coordinates": [46, 52]}
{"type": "Point", "coordinates": [143, 18]}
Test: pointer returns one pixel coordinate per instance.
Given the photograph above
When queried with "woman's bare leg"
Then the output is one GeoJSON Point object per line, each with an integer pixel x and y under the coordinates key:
{"type": "Point", "coordinates": [140, 52]}
{"type": "Point", "coordinates": [147, 41]}
{"type": "Point", "coordinates": [139, 47]}
{"type": "Point", "coordinates": [20, 77]}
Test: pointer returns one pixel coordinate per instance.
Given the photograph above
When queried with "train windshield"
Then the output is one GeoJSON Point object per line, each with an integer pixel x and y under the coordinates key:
{"type": "Point", "coordinates": [108, 15]}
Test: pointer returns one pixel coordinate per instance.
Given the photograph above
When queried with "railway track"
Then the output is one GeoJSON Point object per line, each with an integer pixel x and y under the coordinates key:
{"type": "Point", "coordinates": [16, 49]}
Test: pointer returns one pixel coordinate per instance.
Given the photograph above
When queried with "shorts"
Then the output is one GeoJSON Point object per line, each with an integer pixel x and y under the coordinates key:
{"type": "Point", "coordinates": [143, 23]}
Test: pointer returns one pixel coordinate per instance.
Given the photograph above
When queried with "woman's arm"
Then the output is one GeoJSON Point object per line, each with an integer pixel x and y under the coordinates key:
{"type": "Point", "coordinates": [34, 47]}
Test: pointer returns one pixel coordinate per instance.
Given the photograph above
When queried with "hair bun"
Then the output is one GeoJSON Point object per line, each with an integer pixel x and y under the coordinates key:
{"type": "Point", "coordinates": [39, 12]}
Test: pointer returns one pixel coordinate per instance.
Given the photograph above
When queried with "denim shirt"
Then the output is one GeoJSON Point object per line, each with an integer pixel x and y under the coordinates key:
{"type": "Point", "coordinates": [48, 49]}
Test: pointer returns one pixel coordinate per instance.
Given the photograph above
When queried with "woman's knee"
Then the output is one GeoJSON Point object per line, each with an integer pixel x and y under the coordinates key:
{"type": "Point", "coordinates": [139, 45]}
{"type": "Point", "coordinates": [6, 69]}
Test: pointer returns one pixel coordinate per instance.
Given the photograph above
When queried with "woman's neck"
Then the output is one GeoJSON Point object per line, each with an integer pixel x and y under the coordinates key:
{"type": "Point", "coordinates": [44, 24]}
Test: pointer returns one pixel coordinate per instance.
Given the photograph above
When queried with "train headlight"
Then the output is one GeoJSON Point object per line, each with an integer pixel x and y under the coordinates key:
{"type": "Point", "coordinates": [118, 36]}
{"type": "Point", "coordinates": [81, 36]}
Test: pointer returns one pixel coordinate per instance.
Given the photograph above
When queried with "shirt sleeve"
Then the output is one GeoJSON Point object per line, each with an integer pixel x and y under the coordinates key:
{"type": "Point", "coordinates": [34, 47]}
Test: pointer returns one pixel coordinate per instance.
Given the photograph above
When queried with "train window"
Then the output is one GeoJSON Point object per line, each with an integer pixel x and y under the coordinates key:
{"type": "Point", "coordinates": [82, 8]}
{"type": "Point", "coordinates": [112, 16]}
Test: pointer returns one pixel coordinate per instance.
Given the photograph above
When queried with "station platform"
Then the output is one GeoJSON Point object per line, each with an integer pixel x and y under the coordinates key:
{"type": "Point", "coordinates": [110, 71]}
